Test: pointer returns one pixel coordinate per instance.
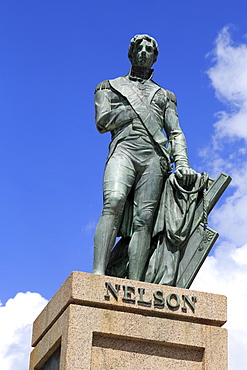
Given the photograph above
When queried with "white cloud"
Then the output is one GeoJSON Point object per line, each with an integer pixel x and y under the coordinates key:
{"type": "Point", "coordinates": [89, 227]}
{"type": "Point", "coordinates": [225, 272]}
{"type": "Point", "coordinates": [229, 72]}
{"type": "Point", "coordinates": [16, 319]}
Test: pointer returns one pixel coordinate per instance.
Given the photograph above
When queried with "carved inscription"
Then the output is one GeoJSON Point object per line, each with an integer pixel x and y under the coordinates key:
{"type": "Point", "coordinates": [138, 296]}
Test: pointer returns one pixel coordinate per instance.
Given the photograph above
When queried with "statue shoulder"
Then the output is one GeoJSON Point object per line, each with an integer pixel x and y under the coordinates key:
{"type": "Point", "coordinates": [104, 85]}
{"type": "Point", "coordinates": [171, 96]}
{"type": "Point", "coordinates": [107, 84]}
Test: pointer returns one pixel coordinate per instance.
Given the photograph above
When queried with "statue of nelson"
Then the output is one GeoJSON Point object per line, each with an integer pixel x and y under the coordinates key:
{"type": "Point", "coordinates": [137, 112]}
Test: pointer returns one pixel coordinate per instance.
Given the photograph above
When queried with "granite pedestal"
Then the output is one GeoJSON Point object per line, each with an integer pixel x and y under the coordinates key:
{"type": "Point", "coordinates": [101, 322]}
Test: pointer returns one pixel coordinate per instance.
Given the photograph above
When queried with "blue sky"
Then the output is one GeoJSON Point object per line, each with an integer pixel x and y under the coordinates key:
{"type": "Point", "coordinates": [52, 55]}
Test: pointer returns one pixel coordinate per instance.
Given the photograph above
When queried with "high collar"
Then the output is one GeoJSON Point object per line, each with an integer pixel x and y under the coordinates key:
{"type": "Point", "coordinates": [140, 73]}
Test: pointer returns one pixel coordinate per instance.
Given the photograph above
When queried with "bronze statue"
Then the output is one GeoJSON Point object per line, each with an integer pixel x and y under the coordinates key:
{"type": "Point", "coordinates": [141, 203]}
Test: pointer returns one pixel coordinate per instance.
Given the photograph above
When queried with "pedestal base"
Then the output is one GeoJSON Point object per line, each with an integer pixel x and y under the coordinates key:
{"type": "Point", "coordinates": [101, 322]}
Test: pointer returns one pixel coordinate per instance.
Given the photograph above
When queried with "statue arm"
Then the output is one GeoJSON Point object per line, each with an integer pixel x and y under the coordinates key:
{"type": "Point", "coordinates": [178, 142]}
{"type": "Point", "coordinates": [175, 134]}
{"type": "Point", "coordinates": [109, 115]}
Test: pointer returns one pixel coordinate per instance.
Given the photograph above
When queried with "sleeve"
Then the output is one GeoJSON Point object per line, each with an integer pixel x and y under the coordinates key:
{"type": "Point", "coordinates": [175, 134]}
{"type": "Point", "coordinates": [110, 115]}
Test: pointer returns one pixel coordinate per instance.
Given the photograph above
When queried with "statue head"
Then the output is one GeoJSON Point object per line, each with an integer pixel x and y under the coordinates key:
{"type": "Point", "coordinates": [143, 51]}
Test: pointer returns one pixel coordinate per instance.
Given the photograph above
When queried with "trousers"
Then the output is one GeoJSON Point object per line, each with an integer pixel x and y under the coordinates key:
{"type": "Point", "coordinates": [134, 165]}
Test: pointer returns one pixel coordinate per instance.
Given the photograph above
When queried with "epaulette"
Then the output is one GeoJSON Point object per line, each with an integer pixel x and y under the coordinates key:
{"type": "Point", "coordinates": [104, 85]}
{"type": "Point", "coordinates": [171, 96]}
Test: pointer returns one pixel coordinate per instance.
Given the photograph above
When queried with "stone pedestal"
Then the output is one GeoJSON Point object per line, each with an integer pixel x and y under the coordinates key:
{"type": "Point", "coordinates": [101, 322]}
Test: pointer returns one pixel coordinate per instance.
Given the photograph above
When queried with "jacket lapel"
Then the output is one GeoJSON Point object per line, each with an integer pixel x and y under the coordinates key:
{"type": "Point", "coordinates": [139, 103]}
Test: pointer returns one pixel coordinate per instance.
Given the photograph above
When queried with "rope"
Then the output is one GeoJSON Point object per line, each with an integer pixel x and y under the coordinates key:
{"type": "Point", "coordinates": [204, 177]}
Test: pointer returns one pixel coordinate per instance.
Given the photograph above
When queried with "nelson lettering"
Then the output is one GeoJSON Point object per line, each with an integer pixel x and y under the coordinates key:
{"type": "Point", "coordinates": [157, 299]}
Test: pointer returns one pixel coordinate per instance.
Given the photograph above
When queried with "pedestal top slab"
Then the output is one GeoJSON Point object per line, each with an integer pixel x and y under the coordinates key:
{"type": "Point", "coordinates": [131, 296]}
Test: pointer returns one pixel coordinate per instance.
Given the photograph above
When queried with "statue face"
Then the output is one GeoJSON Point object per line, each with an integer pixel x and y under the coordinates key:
{"type": "Point", "coordinates": [143, 54]}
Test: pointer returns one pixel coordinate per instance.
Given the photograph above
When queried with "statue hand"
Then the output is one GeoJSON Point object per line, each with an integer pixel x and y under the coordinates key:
{"type": "Point", "coordinates": [186, 175]}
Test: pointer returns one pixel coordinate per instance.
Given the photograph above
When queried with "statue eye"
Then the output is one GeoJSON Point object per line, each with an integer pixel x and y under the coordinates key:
{"type": "Point", "coordinates": [149, 48]}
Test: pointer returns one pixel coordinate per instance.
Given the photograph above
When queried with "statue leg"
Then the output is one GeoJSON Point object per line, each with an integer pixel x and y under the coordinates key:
{"type": "Point", "coordinates": [105, 236]}
{"type": "Point", "coordinates": [118, 180]}
{"type": "Point", "coordinates": [147, 195]}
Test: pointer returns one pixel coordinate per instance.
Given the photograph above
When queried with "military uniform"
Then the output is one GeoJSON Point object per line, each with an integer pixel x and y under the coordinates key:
{"type": "Point", "coordinates": [137, 113]}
